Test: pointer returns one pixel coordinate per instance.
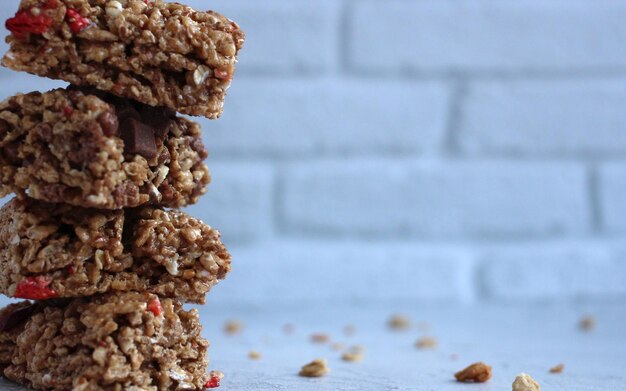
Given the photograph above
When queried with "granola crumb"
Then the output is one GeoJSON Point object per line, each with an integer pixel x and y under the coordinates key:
{"type": "Point", "coordinates": [476, 373]}
{"type": "Point", "coordinates": [557, 368]}
{"type": "Point", "coordinates": [320, 338]}
{"type": "Point", "coordinates": [399, 322]}
{"type": "Point", "coordinates": [233, 327]}
{"type": "Point", "coordinates": [349, 330]}
{"type": "Point", "coordinates": [587, 323]}
{"type": "Point", "coordinates": [426, 343]}
{"type": "Point", "coordinates": [524, 382]}
{"type": "Point", "coordinates": [356, 353]}
{"type": "Point", "coordinates": [337, 346]}
{"type": "Point", "coordinates": [254, 355]}
{"type": "Point", "coordinates": [288, 328]}
{"type": "Point", "coordinates": [316, 368]}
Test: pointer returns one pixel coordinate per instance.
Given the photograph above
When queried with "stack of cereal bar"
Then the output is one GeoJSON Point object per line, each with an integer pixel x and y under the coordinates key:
{"type": "Point", "coordinates": [91, 239]}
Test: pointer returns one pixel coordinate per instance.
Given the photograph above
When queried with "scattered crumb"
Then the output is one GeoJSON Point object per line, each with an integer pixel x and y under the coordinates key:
{"type": "Point", "coordinates": [557, 368]}
{"type": "Point", "coordinates": [587, 323]}
{"type": "Point", "coordinates": [356, 353]}
{"type": "Point", "coordinates": [524, 382]}
{"type": "Point", "coordinates": [320, 338]}
{"type": "Point", "coordinates": [399, 322]}
{"type": "Point", "coordinates": [476, 373]}
{"type": "Point", "coordinates": [254, 355]}
{"type": "Point", "coordinates": [316, 368]}
{"type": "Point", "coordinates": [233, 327]}
{"type": "Point", "coordinates": [337, 346]}
{"type": "Point", "coordinates": [288, 328]}
{"type": "Point", "coordinates": [426, 343]}
{"type": "Point", "coordinates": [349, 330]}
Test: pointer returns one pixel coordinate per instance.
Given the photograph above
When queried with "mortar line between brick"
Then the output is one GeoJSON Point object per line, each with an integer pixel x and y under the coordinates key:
{"type": "Point", "coordinates": [454, 117]}
{"type": "Point", "coordinates": [344, 37]}
{"type": "Point", "coordinates": [278, 201]}
{"type": "Point", "coordinates": [594, 199]}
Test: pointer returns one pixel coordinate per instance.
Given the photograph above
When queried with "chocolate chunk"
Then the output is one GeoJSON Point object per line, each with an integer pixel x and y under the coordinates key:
{"type": "Point", "coordinates": [4, 128]}
{"type": "Point", "coordinates": [10, 153]}
{"type": "Point", "coordinates": [126, 194]}
{"type": "Point", "coordinates": [198, 146]}
{"type": "Point", "coordinates": [9, 321]}
{"type": "Point", "coordinates": [44, 132]}
{"type": "Point", "coordinates": [138, 138]}
{"type": "Point", "coordinates": [109, 123]}
{"type": "Point", "coordinates": [126, 111]}
{"type": "Point", "coordinates": [161, 119]}
{"type": "Point", "coordinates": [56, 193]}
{"type": "Point", "coordinates": [164, 156]}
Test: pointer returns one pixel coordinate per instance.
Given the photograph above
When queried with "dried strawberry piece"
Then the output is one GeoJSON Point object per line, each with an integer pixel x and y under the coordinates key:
{"type": "Point", "coordinates": [213, 382]}
{"type": "Point", "coordinates": [68, 111]}
{"type": "Point", "coordinates": [51, 4]}
{"type": "Point", "coordinates": [76, 22]}
{"type": "Point", "coordinates": [154, 306]}
{"type": "Point", "coordinates": [149, 2]}
{"type": "Point", "coordinates": [220, 74]}
{"type": "Point", "coordinates": [35, 288]}
{"type": "Point", "coordinates": [24, 23]}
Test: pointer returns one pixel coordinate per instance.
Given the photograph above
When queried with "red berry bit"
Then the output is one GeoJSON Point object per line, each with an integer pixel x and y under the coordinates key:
{"type": "Point", "coordinates": [68, 111]}
{"type": "Point", "coordinates": [213, 382]}
{"type": "Point", "coordinates": [35, 288]}
{"type": "Point", "coordinates": [223, 75]}
{"type": "Point", "coordinates": [76, 22]}
{"type": "Point", "coordinates": [28, 22]}
{"type": "Point", "coordinates": [154, 306]}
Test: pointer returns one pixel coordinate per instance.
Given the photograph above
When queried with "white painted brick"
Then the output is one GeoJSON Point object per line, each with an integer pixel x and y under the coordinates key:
{"type": "Point", "coordinates": [612, 196]}
{"type": "Point", "coordinates": [289, 117]}
{"type": "Point", "coordinates": [484, 35]}
{"type": "Point", "coordinates": [483, 199]}
{"type": "Point", "coordinates": [239, 201]}
{"type": "Point", "coordinates": [554, 271]}
{"type": "Point", "coordinates": [14, 82]}
{"type": "Point", "coordinates": [284, 35]}
{"type": "Point", "coordinates": [545, 117]}
{"type": "Point", "coordinates": [332, 272]}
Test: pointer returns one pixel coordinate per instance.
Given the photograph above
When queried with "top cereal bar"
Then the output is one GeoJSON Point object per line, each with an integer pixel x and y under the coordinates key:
{"type": "Point", "coordinates": [157, 53]}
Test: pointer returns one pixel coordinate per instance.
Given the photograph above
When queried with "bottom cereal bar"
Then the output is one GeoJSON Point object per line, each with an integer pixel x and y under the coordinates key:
{"type": "Point", "coordinates": [52, 251]}
{"type": "Point", "coordinates": [129, 341]}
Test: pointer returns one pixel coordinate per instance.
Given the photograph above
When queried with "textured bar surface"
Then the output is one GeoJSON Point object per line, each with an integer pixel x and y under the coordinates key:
{"type": "Point", "coordinates": [57, 250]}
{"type": "Point", "coordinates": [155, 52]}
{"type": "Point", "coordinates": [91, 149]}
{"type": "Point", "coordinates": [130, 341]}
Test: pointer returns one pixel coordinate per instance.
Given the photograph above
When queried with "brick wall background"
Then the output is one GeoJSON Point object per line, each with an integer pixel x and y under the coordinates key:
{"type": "Point", "coordinates": [430, 150]}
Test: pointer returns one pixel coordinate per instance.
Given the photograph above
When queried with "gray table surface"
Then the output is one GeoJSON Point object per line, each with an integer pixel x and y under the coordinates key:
{"type": "Point", "coordinates": [511, 339]}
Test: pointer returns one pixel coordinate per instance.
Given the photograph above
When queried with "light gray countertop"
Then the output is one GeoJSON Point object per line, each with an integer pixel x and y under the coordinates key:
{"type": "Point", "coordinates": [511, 339]}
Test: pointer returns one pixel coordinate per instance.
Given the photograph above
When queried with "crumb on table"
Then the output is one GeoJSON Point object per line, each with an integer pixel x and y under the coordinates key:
{"type": "Point", "coordinates": [316, 368]}
{"type": "Point", "coordinates": [476, 373]}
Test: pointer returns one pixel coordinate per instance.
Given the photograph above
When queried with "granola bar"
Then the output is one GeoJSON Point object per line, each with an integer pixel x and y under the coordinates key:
{"type": "Point", "coordinates": [129, 341]}
{"type": "Point", "coordinates": [92, 149]}
{"type": "Point", "coordinates": [52, 251]}
{"type": "Point", "coordinates": [155, 52]}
